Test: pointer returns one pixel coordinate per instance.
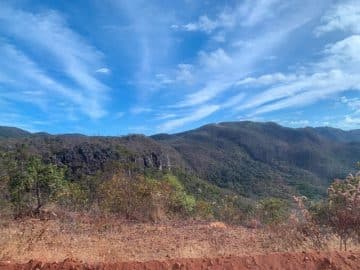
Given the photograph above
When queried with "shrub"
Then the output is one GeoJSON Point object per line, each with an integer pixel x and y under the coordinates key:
{"type": "Point", "coordinates": [272, 211]}
{"type": "Point", "coordinates": [179, 201]}
{"type": "Point", "coordinates": [33, 183]}
{"type": "Point", "coordinates": [74, 197]}
{"type": "Point", "coordinates": [344, 208]}
{"type": "Point", "coordinates": [203, 210]}
{"type": "Point", "coordinates": [134, 197]}
{"type": "Point", "coordinates": [297, 231]}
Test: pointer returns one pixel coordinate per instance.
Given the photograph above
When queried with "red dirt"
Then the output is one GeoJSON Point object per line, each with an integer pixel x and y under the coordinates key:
{"type": "Point", "coordinates": [288, 261]}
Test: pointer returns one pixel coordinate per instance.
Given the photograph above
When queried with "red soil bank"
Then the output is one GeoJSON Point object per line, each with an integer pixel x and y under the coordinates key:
{"type": "Point", "coordinates": [286, 261]}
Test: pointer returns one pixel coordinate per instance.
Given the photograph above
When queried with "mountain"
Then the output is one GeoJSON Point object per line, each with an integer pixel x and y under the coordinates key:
{"type": "Point", "coordinates": [339, 135]}
{"type": "Point", "coordinates": [252, 159]}
{"type": "Point", "coordinates": [13, 132]}
{"type": "Point", "coordinates": [266, 158]}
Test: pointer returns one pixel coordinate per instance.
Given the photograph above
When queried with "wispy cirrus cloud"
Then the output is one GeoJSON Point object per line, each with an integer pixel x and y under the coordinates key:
{"type": "Point", "coordinates": [247, 14]}
{"type": "Point", "coordinates": [335, 73]}
{"type": "Point", "coordinates": [223, 69]}
{"type": "Point", "coordinates": [205, 24]}
{"type": "Point", "coordinates": [176, 65]}
{"type": "Point", "coordinates": [31, 82]}
{"type": "Point", "coordinates": [103, 70]}
{"type": "Point", "coordinates": [47, 37]}
{"type": "Point", "coordinates": [195, 115]}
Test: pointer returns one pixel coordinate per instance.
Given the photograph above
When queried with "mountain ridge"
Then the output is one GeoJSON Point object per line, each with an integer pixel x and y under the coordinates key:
{"type": "Point", "coordinates": [250, 158]}
{"type": "Point", "coordinates": [338, 134]}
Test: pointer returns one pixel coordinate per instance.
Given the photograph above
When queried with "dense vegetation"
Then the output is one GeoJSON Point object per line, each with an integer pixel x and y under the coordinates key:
{"type": "Point", "coordinates": [216, 171]}
{"type": "Point", "coordinates": [254, 160]}
{"type": "Point", "coordinates": [265, 159]}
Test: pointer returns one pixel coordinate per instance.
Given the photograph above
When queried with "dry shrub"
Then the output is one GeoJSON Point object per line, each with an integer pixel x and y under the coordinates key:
{"type": "Point", "coordinates": [298, 232]}
{"type": "Point", "coordinates": [344, 209]}
{"type": "Point", "coordinates": [134, 197]}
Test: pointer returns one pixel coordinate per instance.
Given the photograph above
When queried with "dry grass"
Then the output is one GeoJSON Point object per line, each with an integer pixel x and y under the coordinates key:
{"type": "Point", "coordinates": [111, 240]}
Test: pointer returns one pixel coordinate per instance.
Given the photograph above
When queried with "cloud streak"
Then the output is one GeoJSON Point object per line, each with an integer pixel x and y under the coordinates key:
{"type": "Point", "coordinates": [195, 115]}
{"type": "Point", "coordinates": [68, 52]}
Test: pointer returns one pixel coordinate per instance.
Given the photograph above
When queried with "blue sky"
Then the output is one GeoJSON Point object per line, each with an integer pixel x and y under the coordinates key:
{"type": "Point", "coordinates": [112, 67]}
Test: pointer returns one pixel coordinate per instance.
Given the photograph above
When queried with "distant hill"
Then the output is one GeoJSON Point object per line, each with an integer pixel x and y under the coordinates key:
{"type": "Point", "coordinates": [13, 132]}
{"type": "Point", "coordinates": [253, 159]}
{"type": "Point", "coordinates": [339, 135]}
{"type": "Point", "coordinates": [266, 158]}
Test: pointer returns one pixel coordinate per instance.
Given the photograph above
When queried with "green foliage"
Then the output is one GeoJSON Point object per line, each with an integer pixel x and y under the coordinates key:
{"type": "Point", "coordinates": [273, 211]}
{"type": "Point", "coordinates": [180, 201]}
{"type": "Point", "coordinates": [133, 197]}
{"type": "Point", "coordinates": [74, 197]}
{"type": "Point", "coordinates": [203, 210]}
{"type": "Point", "coordinates": [33, 183]}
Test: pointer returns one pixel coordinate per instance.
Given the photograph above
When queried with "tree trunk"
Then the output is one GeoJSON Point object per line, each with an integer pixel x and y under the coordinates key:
{"type": "Point", "coordinates": [38, 198]}
{"type": "Point", "coordinates": [341, 241]}
{"type": "Point", "coordinates": [345, 244]}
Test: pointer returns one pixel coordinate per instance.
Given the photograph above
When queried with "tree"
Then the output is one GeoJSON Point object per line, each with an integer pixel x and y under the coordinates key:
{"type": "Point", "coordinates": [344, 208]}
{"type": "Point", "coordinates": [273, 211]}
{"type": "Point", "coordinates": [133, 196]}
{"type": "Point", "coordinates": [33, 183]}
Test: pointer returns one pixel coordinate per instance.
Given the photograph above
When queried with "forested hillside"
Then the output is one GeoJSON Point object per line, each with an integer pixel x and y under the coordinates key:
{"type": "Point", "coordinates": [266, 158]}
{"type": "Point", "coordinates": [248, 158]}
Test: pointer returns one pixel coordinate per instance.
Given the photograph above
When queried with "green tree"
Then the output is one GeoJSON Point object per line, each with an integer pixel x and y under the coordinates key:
{"type": "Point", "coordinates": [33, 183]}
{"type": "Point", "coordinates": [273, 211]}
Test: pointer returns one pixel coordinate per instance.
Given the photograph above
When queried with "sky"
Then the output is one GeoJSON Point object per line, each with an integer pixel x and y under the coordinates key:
{"type": "Point", "coordinates": [115, 67]}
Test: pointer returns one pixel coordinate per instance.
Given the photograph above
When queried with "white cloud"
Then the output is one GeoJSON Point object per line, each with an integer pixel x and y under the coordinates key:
{"type": "Point", "coordinates": [185, 73]}
{"type": "Point", "coordinates": [163, 79]}
{"type": "Point", "coordinates": [220, 37]}
{"type": "Point", "coordinates": [249, 13]}
{"type": "Point", "coordinates": [164, 116]}
{"type": "Point", "coordinates": [335, 73]}
{"type": "Point", "coordinates": [140, 110]}
{"type": "Point", "coordinates": [344, 16]}
{"type": "Point", "coordinates": [352, 103]}
{"type": "Point", "coordinates": [267, 79]}
{"type": "Point", "coordinates": [204, 24]}
{"type": "Point", "coordinates": [33, 85]}
{"type": "Point", "coordinates": [103, 70]}
{"type": "Point", "coordinates": [253, 12]}
{"type": "Point", "coordinates": [214, 59]}
{"type": "Point", "coordinates": [64, 49]}
{"type": "Point", "coordinates": [219, 70]}
{"type": "Point", "coordinates": [344, 53]}
{"type": "Point", "coordinates": [234, 100]}
{"type": "Point", "coordinates": [352, 120]}
{"type": "Point", "coordinates": [294, 123]}
{"type": "Point", "coordinates": [312, 89]}
{"type": "Point", "coordinates": [194, 116]}
{"type": "Point", "coordinates": [207, 93]}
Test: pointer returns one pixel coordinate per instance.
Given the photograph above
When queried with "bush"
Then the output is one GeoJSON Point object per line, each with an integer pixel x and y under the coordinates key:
{"type": "Point", "coordinates": [297, 231]}
{"type": "Point", "coordinates": [344, 208]}
{"type": "Point", "coordinates": [273, 211]}
{"type": "Point", "coordinates": [134, 197]}
{"type": "Point", "coordinates": [203, 210]}
{"type": "Point", "coordinates": [33, 183]}
{"type": "Point", "coordinates": [179, 201]}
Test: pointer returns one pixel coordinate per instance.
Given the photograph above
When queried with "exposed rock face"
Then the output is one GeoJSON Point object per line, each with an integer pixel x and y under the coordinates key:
{"type": "Point", "coordinates": [87, 155]}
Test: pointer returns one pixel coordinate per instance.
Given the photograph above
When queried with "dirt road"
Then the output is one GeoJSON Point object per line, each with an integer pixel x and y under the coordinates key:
{"type": "Point", "coordinates": [288, 261]}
